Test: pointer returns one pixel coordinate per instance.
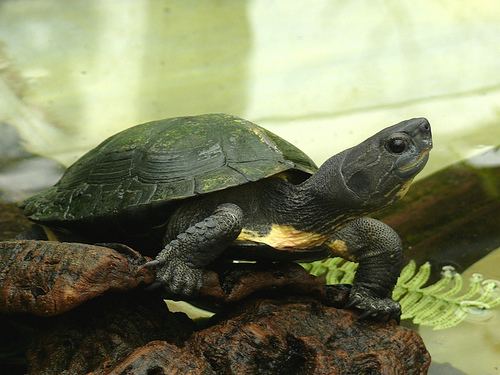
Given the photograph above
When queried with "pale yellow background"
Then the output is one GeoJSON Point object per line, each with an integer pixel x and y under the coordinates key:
{"type": "Point", "coordinates": [324, 74]}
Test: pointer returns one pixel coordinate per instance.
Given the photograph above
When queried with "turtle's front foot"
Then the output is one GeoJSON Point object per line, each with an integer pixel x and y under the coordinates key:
{"type": "Point", "coordinates": [373, 306]}
{"type": "Point", "coordinates": [175, 275]}
{"type": "Point", "coordinates": [180, 264]}
{"type": "Point", "coordinates": [180, 278]}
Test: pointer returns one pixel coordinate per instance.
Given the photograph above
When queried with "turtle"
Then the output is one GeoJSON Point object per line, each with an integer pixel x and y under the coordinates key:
{"type": "Point", "coordinates": [196, 190]}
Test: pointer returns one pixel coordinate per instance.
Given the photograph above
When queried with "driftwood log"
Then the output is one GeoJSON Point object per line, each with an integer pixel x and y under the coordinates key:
{"type": "Point", "coordinates": [451, 217]}
{"type": "Point", "coordinates": [289, 336]}
{"type": "Point", "coordinates": [49, 278]}
{"type": "Point", "coordinates": [266, 324]}
{"type": "Point", "coordinates": [101, 332]}
{"type": "Point", "coordinates": [292, 335]}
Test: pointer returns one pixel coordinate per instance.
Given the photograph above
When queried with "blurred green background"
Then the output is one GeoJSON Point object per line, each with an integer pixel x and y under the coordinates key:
{"type": "Point", "coordinates": [322, 74]}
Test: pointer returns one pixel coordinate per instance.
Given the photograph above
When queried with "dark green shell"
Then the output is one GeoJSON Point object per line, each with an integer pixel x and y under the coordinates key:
{"type": "Point", "coordinates": [165, 160]}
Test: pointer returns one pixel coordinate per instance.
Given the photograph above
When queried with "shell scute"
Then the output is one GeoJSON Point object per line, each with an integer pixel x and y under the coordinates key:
{"type": "Point", "coordinates": [163, 161]}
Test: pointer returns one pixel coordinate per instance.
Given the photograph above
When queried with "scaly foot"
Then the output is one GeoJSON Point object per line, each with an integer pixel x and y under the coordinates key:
{"type": "Point", "coordinates": [372, 306]}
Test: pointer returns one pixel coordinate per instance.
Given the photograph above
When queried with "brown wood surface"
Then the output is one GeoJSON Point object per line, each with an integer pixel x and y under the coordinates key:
{"type": "Point", "coordinates": [49, 278]}
{"type": "Point", "coordinates": [451, 217]}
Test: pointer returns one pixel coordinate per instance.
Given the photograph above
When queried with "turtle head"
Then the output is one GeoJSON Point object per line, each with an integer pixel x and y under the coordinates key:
{"type": "Point", "coordinates": [376, 172]}
{"type": "Point", "coordinates": [379, 170]}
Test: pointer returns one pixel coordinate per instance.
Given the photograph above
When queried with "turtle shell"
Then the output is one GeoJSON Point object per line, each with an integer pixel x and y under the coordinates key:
{"type": "Point", "coordinates": [163, 161]}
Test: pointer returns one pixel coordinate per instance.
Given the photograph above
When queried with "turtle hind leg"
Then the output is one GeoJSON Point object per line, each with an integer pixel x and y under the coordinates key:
{"type": "Point", "coordinates": [181, 263]}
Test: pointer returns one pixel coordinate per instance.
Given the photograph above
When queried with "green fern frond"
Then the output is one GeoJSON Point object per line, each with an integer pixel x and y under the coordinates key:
{"type": "Point", "coordinates": [441, 305]}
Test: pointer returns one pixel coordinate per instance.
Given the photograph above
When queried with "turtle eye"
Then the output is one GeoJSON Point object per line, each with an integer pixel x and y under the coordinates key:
{"type": "Point", "coordinates": [396, 145]}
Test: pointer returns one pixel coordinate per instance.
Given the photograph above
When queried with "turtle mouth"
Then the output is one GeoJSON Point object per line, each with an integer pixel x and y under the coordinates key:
{"type": "Point", "coordinates": [415, 166]}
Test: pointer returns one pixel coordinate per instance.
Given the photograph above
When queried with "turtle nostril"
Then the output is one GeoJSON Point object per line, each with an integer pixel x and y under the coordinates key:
{"type": "Point", "coordinates": [425, 126]}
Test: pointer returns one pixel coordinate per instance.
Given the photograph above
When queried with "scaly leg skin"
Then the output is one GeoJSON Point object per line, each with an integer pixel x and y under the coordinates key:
{"type": "Point", "coordinates": [180, 264]}
{"type": "Point", "coordinates": [378, 249]}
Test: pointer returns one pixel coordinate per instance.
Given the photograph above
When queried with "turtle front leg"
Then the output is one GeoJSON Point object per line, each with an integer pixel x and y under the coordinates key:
{"type": "Point", "coordinates": [180, 264]}
{"type": "Point", "coordinates": [378, 249]}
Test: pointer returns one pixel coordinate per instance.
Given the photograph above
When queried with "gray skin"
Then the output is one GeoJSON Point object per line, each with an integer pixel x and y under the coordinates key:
{"type": "Point", "coordinates": [333, 202]}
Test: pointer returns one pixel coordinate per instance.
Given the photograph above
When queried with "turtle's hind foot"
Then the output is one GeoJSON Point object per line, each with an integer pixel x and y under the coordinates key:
{"type": "Point", "coordinates": [373, 307]}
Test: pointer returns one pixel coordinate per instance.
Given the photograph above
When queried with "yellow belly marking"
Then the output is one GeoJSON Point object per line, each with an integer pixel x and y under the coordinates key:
{"type": "Point", "coordinates": [339, 249]}
{"type": "Point", "coordinates": [284, 237]}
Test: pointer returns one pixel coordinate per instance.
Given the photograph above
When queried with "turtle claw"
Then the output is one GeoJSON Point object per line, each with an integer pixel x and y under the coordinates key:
{"type": "Point", "coordinates": [373, 307]}
{"type": "Point", "coordinates": [349, 304]}
{"type": "Point", "coordinates": [152, 264]}
{"type": "Point", "coordinates": [179, 278]}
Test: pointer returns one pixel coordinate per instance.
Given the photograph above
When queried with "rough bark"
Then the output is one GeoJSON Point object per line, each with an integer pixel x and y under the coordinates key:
{"type": "Point", "coordinates": [281, 333]}
{"type": "Point", "coordinates": [302, 336]}
{"type": "Point", "coordinates": [160, 357]}
{"type": "Point", "coordinates": [101, 333]}
{"type": "Point", "coordinates": [228, 284]}
{"type": "Point", "coordinates": [48, 278]}
{"type": "Point", "coordinates": [285, 336]}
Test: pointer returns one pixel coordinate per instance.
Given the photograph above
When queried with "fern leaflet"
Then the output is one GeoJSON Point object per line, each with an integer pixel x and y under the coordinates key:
{"type": "Point", "coordinates": [441, 305]}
